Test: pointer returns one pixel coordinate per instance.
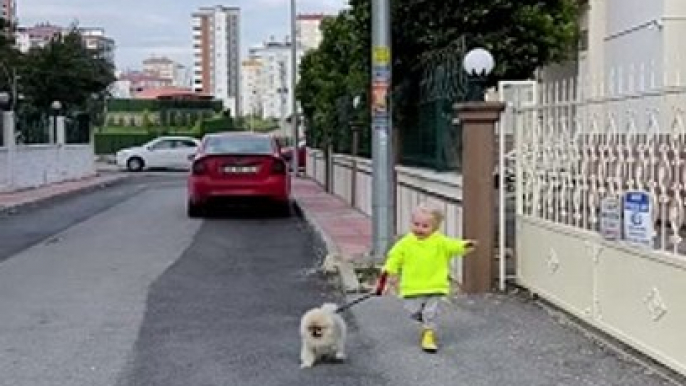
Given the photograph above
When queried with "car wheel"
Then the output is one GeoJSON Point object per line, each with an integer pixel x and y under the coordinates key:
{"type": "Point", "coordinates": [195, 210]}
{"type": "Point", "coordinates": [284, 209]}
{"type": "Point", "coordinates": [135, 164]}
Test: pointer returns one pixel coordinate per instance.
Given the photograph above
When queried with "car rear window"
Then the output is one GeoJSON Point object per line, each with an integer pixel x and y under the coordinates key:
{"type": "Point", "coordinates": [238, 145]}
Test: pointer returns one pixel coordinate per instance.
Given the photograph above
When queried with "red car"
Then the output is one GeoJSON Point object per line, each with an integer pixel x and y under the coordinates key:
{"type": "Point", "coordinates": [238, 165]}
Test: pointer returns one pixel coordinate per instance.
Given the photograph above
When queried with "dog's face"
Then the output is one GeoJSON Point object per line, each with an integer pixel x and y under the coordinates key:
{"type": "Point", "coordinates": [319, 326]}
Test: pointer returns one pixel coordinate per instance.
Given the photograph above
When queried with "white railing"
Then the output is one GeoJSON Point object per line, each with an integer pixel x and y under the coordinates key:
{"type": "Point", "coordinates": [576, 151]}
{"type": "Point", "coordinates": [351, 180]}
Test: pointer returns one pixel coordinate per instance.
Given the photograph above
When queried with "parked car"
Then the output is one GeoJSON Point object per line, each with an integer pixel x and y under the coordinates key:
{"type": "Point", "coordinates": [238, 166]}
{"type": "Point", "coordinates": [169, 152]}
{"type": "Point", "coordinates": [287, 153]}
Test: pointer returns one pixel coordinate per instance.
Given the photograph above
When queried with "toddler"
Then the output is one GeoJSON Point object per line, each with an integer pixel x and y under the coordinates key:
{"type": "Point", "coordinates": [421, 261]}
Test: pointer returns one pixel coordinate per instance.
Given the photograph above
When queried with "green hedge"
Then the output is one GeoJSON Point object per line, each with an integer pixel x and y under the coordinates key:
{"type": "Point", "coordinates": [140, 105]}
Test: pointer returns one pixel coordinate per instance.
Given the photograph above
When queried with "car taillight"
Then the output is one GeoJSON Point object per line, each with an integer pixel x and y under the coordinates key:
{"type": "Point", "coordinates": [199, 167]}
{"type": "Point", "coordinates": [278, 167]}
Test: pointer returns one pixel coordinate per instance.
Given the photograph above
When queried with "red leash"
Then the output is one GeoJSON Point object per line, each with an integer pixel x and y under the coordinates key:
{"type": "Point", "coordinates": [380, 285]}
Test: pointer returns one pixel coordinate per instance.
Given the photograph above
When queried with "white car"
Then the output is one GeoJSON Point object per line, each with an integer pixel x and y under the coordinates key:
{"type": "Point", "coordinates": [160, 153]}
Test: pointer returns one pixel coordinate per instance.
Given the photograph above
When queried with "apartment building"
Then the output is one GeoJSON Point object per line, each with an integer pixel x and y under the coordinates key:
{"type": "Point", "coordinates": [216, 54]}
{"type": "Point", "coordinates": [251, 86]}
{"type": "Point", "coordinates": [40, 35]}
{"type": "Point", "coordinates": [94, 38]}
{"type": "Point", "coordinates": [626, 42]}
{"type": "Point", "coordinates": [275, 76]}
{"type": "Point", "coordinates": [168, 69]}
{"type": "Point", "coordinates": [8, 10]}
{"type": "Point", "coordinates": [308, 30]}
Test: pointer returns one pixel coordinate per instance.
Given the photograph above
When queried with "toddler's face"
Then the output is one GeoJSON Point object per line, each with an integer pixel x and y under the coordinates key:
{"type": "Point", "coordinates": [423, 225]}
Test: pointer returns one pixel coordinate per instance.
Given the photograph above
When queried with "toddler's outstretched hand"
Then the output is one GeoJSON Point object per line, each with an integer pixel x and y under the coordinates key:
{"type": "Point", "coordinates": [470, 245]}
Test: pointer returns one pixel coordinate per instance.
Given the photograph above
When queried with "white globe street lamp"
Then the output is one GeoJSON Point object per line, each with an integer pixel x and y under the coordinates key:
{"type": "Point", "coordinates": [478, 64]}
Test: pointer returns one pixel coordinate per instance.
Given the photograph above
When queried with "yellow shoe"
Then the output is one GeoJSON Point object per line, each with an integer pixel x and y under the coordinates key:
{"type": "Point", "coordinates": [429, 341]}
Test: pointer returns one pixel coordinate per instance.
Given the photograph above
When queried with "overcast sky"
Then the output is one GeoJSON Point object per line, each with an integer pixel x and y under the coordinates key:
{"type": "Point", "coordinates": [162, 27]}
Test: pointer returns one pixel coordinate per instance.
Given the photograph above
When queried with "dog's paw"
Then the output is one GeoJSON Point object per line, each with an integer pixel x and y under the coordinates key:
{"type": "Point", "coordinates": [340, 356]}
{"type": "Point", "coordinates": [305, 365]}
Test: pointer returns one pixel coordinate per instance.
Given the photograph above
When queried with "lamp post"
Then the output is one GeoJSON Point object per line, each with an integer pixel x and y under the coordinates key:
{"type": "Point", "coordinates": [56, 108]}
{"type": "Point", "coordinates": [478, 63]}
{"type": "Point", "coordinates": [294, 80]}
{"type": "Point", "coordinates": [5, 117]}
{"type": "Point", "coordinates": [355, 127]}
{"type": "Point", "coordinates": [479, 122]}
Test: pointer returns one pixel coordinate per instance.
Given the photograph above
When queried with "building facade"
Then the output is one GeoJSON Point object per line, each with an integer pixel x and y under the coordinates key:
{"type": "Point", "coordinates": [8, 11]}
{"type": "Point", "coordinates": [308, 32]}
{"type": "Point", "coordinates": [216, 54]}
{"type": "Point", "coordinates": [96, 39]}
{"type": "Point", "coordinates": [166, 68]}
{"type": "Point", "coordinates": [39, 36]}
{"type": "Point", "coordinates": [274, 82]}
{"type": "Point", "coordinates": [251, 86]}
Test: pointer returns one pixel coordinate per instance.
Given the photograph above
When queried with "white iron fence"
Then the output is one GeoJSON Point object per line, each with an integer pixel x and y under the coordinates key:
{"type": "Point", "coordinates": [583, 242]}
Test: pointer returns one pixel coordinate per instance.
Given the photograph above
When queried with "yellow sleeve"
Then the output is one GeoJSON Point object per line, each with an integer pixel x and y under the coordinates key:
{"type": "Point", "coordinates": [394, 262]}
{"type": "Point", "coordinates": [455, 247]}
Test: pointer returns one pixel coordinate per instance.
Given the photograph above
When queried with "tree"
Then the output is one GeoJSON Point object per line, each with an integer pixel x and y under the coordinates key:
{"type": "Point", "coordinates": [64, 70]}
{"type": "Point", "coordinates": [522, 35]}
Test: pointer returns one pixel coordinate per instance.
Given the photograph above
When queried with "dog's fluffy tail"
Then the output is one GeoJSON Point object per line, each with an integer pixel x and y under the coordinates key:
{"type": "Point", "coordinates": [329, 307]}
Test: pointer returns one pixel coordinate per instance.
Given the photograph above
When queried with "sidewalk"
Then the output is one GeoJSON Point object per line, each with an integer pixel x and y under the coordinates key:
{"type": "Point", "coordinates": [13, 201]}
{"type": "Point", "coordinates": [488, 340]}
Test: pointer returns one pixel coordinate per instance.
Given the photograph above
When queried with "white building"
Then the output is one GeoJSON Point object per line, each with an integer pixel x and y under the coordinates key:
{"type": "Point", "coordinates": [627, 42]}
{"type": "Point", "coordinates": [96, 39]}
{"type": "Point", "coordinates": [40, 35]}
{"type": "Point", "coordinates": [166, 68]}
{"type": "Point", "coordinates": [251, 87]}
{"type": "Point", "coordinates": [274, 87]}
{"type": "Point", "coordinates": [216, 54]}
{"type": "Point", "coordinates": [308, 31]}
{"type": "Point", "coordinates": [8, 10]}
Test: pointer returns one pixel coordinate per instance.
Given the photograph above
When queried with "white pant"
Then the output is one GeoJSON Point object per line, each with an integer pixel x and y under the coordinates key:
{"type": "Point", "coordinates": [424, 309]}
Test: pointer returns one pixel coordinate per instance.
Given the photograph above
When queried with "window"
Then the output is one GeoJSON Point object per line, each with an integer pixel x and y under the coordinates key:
{"type": "Point", "coordinates": [185, 143]}
{"type": "Point", "coordinates": [162, 145]}
{"type": "Point", "coordinates": [239, 145]}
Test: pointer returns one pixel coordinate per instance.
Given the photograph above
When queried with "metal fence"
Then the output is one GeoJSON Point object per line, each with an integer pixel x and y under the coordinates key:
{"type": "Point", "coordinates": [423, 120]}
{"type": "Point", "coordinates": [429, 136]}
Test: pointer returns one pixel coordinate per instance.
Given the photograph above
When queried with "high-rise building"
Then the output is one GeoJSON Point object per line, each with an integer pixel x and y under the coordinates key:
{"type": "Point", "coordinates": [308, 31]}
{"type": "Point", "coordinates": [274, 87]}
{"type": "Point", "coordinates": [40, 35]}
{"type": "Point", "coordinates": [216, 54]}
{"type": "Point", "coordinates": [94, 38]}
{"type": "Point", "coordinates": [8, 11]}
{"type": "Point", "coordinates": [166, 68]}
{"type": "Point", "coordinates": [251, 87]}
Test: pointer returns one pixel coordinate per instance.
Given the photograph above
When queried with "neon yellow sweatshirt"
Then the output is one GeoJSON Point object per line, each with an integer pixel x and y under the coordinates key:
{"type": "Point", "coordinates": [423, 264]}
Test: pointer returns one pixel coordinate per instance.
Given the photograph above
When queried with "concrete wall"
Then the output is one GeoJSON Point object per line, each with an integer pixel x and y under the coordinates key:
{"type": "Point", "coordinates": [414, 185]}
{"type": "Point", "coordinates": [36, 165]}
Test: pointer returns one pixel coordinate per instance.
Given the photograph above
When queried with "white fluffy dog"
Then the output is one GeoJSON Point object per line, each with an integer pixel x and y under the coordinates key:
{"type": "Point", "coordinates": [323, 334]}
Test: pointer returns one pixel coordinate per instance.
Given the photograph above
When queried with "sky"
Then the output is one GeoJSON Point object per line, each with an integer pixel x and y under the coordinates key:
{"type": "Point", "coordinates": [142, 28]}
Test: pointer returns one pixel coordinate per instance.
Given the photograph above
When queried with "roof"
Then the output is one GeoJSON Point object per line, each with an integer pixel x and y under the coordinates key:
{"type": "Point", "coordinates": [170, 92]}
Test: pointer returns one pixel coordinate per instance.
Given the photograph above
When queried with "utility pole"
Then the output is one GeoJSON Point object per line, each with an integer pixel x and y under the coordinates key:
{"type": "Point", "coordinates": [383, 208]}
{"type": "Point", "coordinates": [294, 80]}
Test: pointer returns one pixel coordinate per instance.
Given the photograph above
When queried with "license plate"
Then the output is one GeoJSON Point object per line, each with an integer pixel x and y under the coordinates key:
{"type": "Point", "coordinates": [240, 169]}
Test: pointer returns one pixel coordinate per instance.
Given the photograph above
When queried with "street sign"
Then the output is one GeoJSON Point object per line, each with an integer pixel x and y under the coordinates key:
{"type": "Point", "coordinates": [611, 218]}
{"type": "Point", "coordinates": [638, 218]}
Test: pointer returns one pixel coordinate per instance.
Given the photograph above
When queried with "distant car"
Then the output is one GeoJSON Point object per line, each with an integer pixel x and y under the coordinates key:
{"type": "Point", "coordinates": [238, 166]}
{"type": "Point", "coordinates": [169, 152]}
{"type": "Point", "coordinates": [287, 153]}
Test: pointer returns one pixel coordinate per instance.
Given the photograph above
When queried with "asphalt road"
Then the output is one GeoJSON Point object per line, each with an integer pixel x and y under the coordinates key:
{"type": "Point", "coordinates": [118, 287]}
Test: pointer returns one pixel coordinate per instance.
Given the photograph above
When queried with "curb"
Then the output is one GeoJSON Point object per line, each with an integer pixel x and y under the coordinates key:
{"type": "Point", "coordinates": [333, 263]}
{"type": "Point", "coordinates": [12, 209]}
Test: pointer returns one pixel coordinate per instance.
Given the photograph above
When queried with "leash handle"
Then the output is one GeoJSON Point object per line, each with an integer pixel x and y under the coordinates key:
{"type": "Point", "coordinates": [356, 301]}
{"type": "Point", "coordinates": [381, 284]}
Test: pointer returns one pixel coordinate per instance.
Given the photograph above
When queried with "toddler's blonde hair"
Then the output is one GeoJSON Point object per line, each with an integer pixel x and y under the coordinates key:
{"type": "Point", "coordinates": [430, 210]}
